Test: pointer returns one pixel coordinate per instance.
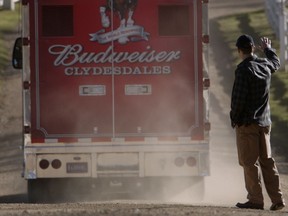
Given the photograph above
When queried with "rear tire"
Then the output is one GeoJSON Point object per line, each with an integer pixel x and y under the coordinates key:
{"type": "Point", "coordinates": [46, 190]}
{"type": "Point", "coordinates": [188, 189]}
{"type": "Point", "coordinates": [37, 190]}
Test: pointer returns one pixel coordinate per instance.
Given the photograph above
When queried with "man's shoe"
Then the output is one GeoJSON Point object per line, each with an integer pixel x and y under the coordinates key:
{"type": "Point", "coordinates": [250, 205]}
{"type": "Point", "coordinates": [277, 206]}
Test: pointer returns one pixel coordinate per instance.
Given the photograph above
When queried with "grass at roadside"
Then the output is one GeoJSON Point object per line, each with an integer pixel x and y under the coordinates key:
{"type": "Point", "coordinates": [9, 21]}
{"type": "Point", "coordinates": [256, 25]}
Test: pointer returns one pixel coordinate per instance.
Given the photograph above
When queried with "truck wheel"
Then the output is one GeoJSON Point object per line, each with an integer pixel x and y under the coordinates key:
{"type": "Point", "coordinates": [190, 189]}
{"type": "Point", "coordinates": [48, 190]}
{"type": "Point", "coordinates": [37, 190]}
{"type": "Point", "coordinates": [187, 189]}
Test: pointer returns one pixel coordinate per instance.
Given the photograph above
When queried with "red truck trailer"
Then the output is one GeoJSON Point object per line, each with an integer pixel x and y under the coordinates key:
{"type": "Point", "coordinates": [115, 92]}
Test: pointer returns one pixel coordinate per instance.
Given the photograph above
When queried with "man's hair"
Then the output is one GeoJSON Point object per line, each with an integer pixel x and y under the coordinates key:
{"type": "Point", "coordinates": [245, 43]}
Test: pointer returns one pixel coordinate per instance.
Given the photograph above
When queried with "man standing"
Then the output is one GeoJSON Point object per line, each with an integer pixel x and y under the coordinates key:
{"type": "Point", "coordinates": [250, 115]}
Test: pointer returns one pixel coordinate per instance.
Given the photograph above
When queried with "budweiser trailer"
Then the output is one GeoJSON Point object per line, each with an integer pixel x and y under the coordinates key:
{"type": "Point", "coordinates": [115, 96]}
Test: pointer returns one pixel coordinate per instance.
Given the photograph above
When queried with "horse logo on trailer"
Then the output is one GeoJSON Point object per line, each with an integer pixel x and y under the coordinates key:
{"type": "Point", "coordinates": [126, 31]}
{"type": "Point", "coordinates": [122, 7]}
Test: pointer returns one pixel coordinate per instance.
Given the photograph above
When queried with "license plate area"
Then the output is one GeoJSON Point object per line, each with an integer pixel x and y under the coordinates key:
{"type": "Point", "coordinates": [69, 165]}
{"type": "Point", "coordinates": [77, 167]}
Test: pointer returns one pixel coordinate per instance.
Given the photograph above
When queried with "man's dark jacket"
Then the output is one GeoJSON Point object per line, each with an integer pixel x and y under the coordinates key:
{"type": "Point", "coordinates": [250, 95]}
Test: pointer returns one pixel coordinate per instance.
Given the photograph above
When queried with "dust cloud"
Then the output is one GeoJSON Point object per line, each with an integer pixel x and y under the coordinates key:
{"type": "Point", "coordinates": [225, 185]}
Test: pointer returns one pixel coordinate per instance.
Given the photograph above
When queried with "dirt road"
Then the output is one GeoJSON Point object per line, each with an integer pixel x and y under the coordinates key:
{"type": "Point", "coordinates": [224, 187]}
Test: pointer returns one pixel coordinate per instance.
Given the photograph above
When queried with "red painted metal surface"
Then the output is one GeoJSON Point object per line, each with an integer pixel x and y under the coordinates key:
{"type": "Point", "coordinates": [156, 86]}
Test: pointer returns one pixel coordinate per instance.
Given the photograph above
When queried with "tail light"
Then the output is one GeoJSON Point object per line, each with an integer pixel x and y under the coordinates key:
{"type": "Point", "coordinates": [179, 161]}
{"type": "Point", "coordinates": [44, 164]}
{"type": "Point", "coordinates": [191, 161]}
{"type": "Point", "coordinates": [56, 164]}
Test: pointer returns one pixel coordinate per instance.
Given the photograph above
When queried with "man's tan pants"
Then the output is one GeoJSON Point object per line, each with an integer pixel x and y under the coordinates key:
{"type": "Point", "coordinates": [254, 154]}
